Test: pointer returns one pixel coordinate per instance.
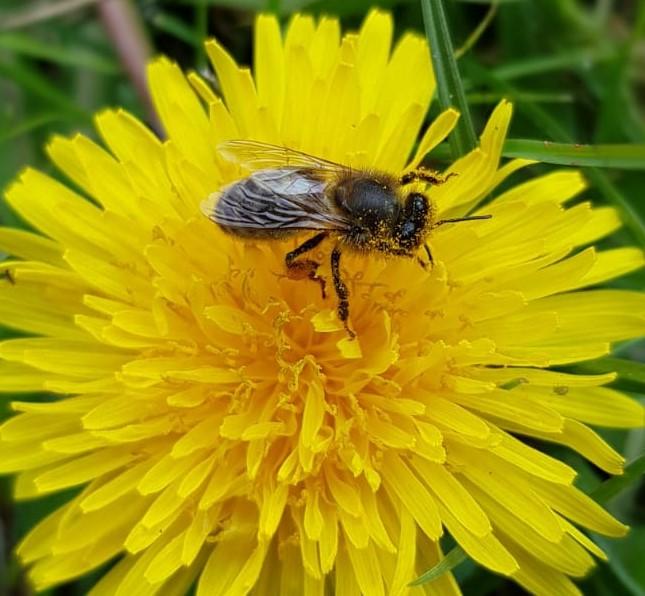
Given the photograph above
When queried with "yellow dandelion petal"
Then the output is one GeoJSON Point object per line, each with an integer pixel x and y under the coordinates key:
{"type": "Point", "coordinates": [436, 132]}
{"type": "Point", "coordinates": [403, 485]}
{"type": "Point", "coordinates": [539, 578]}
{"type": "Point", "coordinates": [487, 550]}
{"type": "Point", "coordinates": [28, 246]}
{"type": "Point", "coordinates": [573, 561]}
{"type": "Point", "coordinates": [475, 172]}
{"type": "Point", "coordinates": [220, 425]}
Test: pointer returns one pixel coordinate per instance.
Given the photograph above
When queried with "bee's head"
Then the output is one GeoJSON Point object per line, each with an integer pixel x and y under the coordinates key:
{"type": "Point", "coordinates": [414, 221]}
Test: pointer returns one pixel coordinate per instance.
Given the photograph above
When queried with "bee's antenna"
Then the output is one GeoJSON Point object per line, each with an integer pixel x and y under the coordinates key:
{"type": "Point", "coordinates": [457, 219]}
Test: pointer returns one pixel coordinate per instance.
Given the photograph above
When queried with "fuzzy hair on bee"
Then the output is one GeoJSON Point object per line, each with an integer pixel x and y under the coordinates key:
{"type": "Point", "coordinates": [289, 192]}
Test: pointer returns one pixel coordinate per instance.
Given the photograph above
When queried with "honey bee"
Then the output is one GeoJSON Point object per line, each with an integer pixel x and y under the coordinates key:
{"type": "Point", "coordinates": [289, 192]}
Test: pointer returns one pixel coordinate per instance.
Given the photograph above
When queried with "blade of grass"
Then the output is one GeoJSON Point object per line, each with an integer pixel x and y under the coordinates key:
{"type": "Point", "coordinates": [176, 27]}
{"type": "Point", "coordinates": [628, 369]}
{"type": "Point", "coordinates": [38, 85]}
{"type": "Point", "coordinates": [519, 97]}
{"type": "Point", "coordinates": [29, 125]}
{"type": "Point", "coordinates": [611, 487]}
{"type": "Point", "coordinates": [620, 577]}
{"type": "Point", "coordinates": [201, 33]}
{"type": "Point", "coordinates": [28, 45]}
{"type": "Point", "coordinates": [40, 12]}
{"type": "Point", "coordinates": [239, 4]}
{"type": "Point", "coordinates": [625, 156]}
{"type": "Point", "coordinates": [455, 557]}
{"type": "Point", "coordinates": [450, 91]}
{"type": "Point", "coordinates": [473, 38]}
{"type": "Point", "coordinates": [629, 215]}
{"type": "Point", "coordinates": [630, 346]}
{"type": "Point", "coordinates": [631, 374]}
{"type": "Point", "coordinates": [620, 110]}
{"type": "Point", "coordinates": [546, 64]}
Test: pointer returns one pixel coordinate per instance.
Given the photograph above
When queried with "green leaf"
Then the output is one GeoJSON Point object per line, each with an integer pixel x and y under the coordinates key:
{"type": "Point", "coordinates": [450, 91]}
{"type": "Point", "coordinates": [474, 37]}
{"type": "Point", "coordinates": [494, 97]}
{"type": "Point", "coordinates": [627, 156]}
{"type": "Point", "coordinates": [73, 55]}
{"type": "Point", "coordinates": [37, 84]}
{"type": "Point", "coordinates": [546, 64]}
{"type": "Point", "coordinates": [491, 1]}
{"type": "Point", "coordinates": [201, 33]}
{"type": "Point", "coordinates": [625, 567]}
{"type": "Point", "coordinates": [31, 13]}
{"type": "Point", "coordinates": [176, 27]}
{"type": "Point", "coordinates": [273, 6]}
{"type": "Point", "coordinates": [29, 125]}
{"type": "Point", "coordinates": [615, 485]}
{"type": "Point", "coordinates": [449, 562]}
{"type": "Point", "coordinates": [630, 373]}
{"type": "Point", "coordinates": [628, 214]}
{"type": "Point", "coordinates": [285, 6]}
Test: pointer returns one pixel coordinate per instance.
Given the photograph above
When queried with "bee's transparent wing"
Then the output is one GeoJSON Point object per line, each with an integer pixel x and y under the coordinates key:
{"type": "Point", "coordinates": [280, 199]}
{"type": "Point", "coordinates": [258, 156]}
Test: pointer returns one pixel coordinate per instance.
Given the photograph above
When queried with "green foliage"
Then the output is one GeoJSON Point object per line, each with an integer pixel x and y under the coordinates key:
{"type": "Point", "coordinates": [631, 374]}
{"type": "Point", "coordinates": [614, 486]}
{"type": "Point", "coordinates": [448, 563]}
{"type": "Point", "coordinates": [450, 90]}
{"type": "Point", "coordinates": [628, 156]}
{"type": "Point", "coordinates": [573, 68]}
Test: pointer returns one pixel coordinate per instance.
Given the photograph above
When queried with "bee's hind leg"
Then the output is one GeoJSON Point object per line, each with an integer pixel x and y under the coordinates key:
{"type": "Point", "coordinates": [341, 291]}
{"type": "Point", "coordinates": [306, 268]}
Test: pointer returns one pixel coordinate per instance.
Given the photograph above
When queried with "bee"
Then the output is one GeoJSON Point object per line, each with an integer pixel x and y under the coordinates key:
{"type": "Point", "coordinates": [290, 192]}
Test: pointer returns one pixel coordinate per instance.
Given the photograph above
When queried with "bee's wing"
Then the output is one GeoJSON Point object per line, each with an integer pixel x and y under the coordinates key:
{"type": "Point", "coordinates": [257, 156]}
{"type": "Point", "coordinates": [284, 199]}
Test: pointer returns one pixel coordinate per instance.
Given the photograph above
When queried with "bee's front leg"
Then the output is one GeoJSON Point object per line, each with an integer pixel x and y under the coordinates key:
{"type": "Point", "coordinates": [341, 291]}
{"type": "Point", "coordinates": [411, 255]}
{"type": "Point", "coordinates": [306, 268]}
{"type": "Point", "coordinates": [424, 175]}
{"type": "Point", "coordinates": [426, 265]}
{"type": "Point", "coordinates": [430, 258]}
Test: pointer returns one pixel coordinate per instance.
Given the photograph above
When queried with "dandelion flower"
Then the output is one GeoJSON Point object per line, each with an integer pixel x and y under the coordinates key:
{"type": "Point", "coordinates": [219, 425]}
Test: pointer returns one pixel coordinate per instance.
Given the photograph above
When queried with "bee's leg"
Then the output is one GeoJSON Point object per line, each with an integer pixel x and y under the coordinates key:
{"type": "Point", "coordinates": [425, 176]}
{"type": "Point", "coordinates": [8, 275]}
{"type": "Point", "coordinates": [341, 291]}
{"type": "Point", "coordinates": [406, 253]}
{"type": "Point", "coordinates": [429, 253]}
{"type": "Point", "coordinates": [430, 263]}
{"type": "Point", "coordinates": [306, 267]}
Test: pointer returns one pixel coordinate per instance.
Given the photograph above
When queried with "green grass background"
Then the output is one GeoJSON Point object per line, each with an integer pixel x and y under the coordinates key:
{"type": "Point", "coordinates": [574, 69]}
